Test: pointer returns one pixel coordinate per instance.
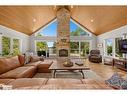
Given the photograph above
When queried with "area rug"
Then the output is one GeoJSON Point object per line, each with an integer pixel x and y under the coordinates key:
{"type": "Point", "coordinates": [89, 74]}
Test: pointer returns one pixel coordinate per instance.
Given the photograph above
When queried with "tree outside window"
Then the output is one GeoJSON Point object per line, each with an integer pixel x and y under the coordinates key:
{"type": "Point", "coordinates": [74, 46]}
{"type": "Point", "coordinates": [84, 48]}
{"type": "Point", "coordinates": [16, 46]}
{"type": "Point", "coordinates": [117, 53]}
{"type": "Point", "coordinates": [5, 46]}
{"type": "Point", "coordinates": [41, 46]}
{"type": "Point", "coordinates": [79, 32]}
{"type": "Point", "coordinates": [109, 46]}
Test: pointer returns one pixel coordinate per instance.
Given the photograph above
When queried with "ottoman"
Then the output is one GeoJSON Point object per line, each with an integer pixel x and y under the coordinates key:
{"type": "Point", "coordinates": [43, 67]}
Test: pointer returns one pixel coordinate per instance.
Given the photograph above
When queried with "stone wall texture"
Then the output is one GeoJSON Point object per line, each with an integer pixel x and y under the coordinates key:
{"type": "Point", "coordinates": [63, 30]}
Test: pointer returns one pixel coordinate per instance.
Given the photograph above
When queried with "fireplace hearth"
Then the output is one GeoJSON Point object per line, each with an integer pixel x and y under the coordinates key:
{"type": "Point", "coordinates": [63, 53]}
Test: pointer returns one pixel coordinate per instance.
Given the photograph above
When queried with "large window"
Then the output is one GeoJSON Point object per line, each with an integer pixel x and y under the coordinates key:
{"type": "Point", "coordinates": [76, 30]}
{"type": "Point", "coordinates": [79, 48]}
{"type": "Point", "coordinates": [6, 41]}
{"type": "Point", "coordinates": [109, 47]}
{"type": "Point", "coordinates": [50, 30]}
{"type": "Point", "coordinates": [16, 47]}
{"type": "Point", "coordinates": [74, 48]}
{"type": "Point", "coordinates": [117, 54]}
{"type": "Point", "coordinates": [48, 47]}
{"type": "Point", "coordinates": [40, 46]}
{"type": "Point", "coordinates": [84, 48]}
{"type": "Point", "coordinates": [10, 48]}
{"type": "Point", "coordinates": [77, 33]}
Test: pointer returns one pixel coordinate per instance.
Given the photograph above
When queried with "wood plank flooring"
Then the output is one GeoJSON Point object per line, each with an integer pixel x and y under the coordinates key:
{"type": "Point", "coordinates": [105, 71]}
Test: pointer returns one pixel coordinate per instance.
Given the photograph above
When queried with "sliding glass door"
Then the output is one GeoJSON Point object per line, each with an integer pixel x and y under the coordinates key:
{"type": "Point", "coordinates": [79, 49]}
{"type": "Point", "coordinates": [74, 49]}
{"type": "Point", "coordinates": [84, 47]}
{"type": "Point", "coordinates": [48, 48]}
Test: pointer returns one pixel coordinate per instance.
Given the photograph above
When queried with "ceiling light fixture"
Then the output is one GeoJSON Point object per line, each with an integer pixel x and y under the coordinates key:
{"type": "Point", "coordinates": [91, 20]}
{"type": "Point", "coordinates": [34, 20]}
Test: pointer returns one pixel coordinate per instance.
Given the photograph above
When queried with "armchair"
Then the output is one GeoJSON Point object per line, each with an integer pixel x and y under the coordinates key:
{"type": "Point", "coordinates": [95, 56]}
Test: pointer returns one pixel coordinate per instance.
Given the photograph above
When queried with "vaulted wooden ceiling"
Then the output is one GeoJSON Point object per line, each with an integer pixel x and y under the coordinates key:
{"type": "Point", "coordinates": [97, 19]}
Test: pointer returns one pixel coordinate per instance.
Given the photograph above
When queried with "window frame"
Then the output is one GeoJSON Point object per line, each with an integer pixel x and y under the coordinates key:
{"type": "Point", "coordinates": [105, 50]}
{"type": "Point", "coordinates": [11, 44]}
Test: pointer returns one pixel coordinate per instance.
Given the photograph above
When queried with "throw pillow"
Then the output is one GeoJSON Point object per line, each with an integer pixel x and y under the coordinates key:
{"type": "Point", "coordinates": [115, 81]}
{"type": "Point", "coordinates": [124, 85]}
{"type": "Point", "coordinates": [27, 56]}
{"type": "Point", "coordinates": [21, 59]}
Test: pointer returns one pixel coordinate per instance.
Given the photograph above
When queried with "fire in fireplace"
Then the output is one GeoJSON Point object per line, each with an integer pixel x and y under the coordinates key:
{"type": "Point", "coordinates": [63, 53]}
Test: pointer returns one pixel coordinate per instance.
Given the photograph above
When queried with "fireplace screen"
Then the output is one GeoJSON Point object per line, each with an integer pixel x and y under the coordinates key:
{"type": "Point", "coordinates": [63, 53]}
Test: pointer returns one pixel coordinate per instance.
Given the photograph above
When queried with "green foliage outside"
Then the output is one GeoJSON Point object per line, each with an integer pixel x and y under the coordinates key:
{"type": "Point", "coordinates": [118, 54]}
{"type": "Point", "coordinates": [74, 45]}
{"type": "Point", "coordinates": [79, 32]}
{"type": "Point", "coordinates": [109, 50]}
{"type": "Point", "coordinates": [16, 47]}
{"type": "Point", "coordinates": [5, 45]}
{"type": "Point", "coordinates": [41, 45]}
{"type": "Point", "coordinates": [39, 35]}
{"type": "Point", "coordinates": [84, 48]}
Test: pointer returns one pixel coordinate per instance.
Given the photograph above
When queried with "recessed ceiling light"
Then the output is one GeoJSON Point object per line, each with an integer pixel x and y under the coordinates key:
{"type": "Point", "coordinates": [71, 6]}
{"type": "Point", "coordinates": [91, 20]}
{"type": "Point", "coordinates": [34, 20]}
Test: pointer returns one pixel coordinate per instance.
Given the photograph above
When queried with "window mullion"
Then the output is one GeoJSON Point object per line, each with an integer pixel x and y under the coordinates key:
{"type": "Point", "coordinates": [0, 44]}
{"type": "Point", "coordinates": [11, 46]}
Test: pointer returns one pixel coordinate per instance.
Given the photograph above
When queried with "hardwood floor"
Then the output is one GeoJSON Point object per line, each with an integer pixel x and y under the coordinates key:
{"type": "Point", "coordinates": [105, 71]}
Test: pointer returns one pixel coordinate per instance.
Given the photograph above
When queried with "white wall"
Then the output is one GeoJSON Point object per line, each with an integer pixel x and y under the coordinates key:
{"type": "Point", "coordinates": [111, 34]}
{"type": "Point", "coordinates": [15, 34]}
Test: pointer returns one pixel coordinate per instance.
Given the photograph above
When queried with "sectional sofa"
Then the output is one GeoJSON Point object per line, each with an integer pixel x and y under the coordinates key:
{"type": "Point", "coordinates": [15, 67]}
{"type": "Point", "coordinates": [14, 72]}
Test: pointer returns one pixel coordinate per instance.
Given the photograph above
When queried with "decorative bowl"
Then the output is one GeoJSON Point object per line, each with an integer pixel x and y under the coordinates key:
{"type": "Point", "coordinates": [68, 64]}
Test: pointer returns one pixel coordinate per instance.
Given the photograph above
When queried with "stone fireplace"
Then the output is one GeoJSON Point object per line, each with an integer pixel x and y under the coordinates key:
{"type": "Point", "coordinates": [63, 32]}
{"type": "Point", "coordinates": [63, 53]}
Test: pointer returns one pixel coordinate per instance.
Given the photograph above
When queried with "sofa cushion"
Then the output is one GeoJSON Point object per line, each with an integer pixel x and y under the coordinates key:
{"type": "Point", "coordinates": [45, 64]}
{"type": "Point", "coordinates": [20, 72]}
{"type": "Point", "coordinates": [28, 83]}
{"type": "Point", "coordinates": [6, 81]}
{"type": "Point", "coordinates": [35, 58]}
{"type": "Point", "coordinates": [21, 59]}
{"type": "Point", "coordinates": [7, 64]}
{"type": "Point", "coordinates": [33, 63]}
{"type": "Point", "coordinates": [43, 67]}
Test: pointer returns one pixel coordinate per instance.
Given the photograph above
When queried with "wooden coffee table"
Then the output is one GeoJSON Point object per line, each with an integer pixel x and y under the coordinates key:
{"type": "Point", "coordinates": [57, 65]}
